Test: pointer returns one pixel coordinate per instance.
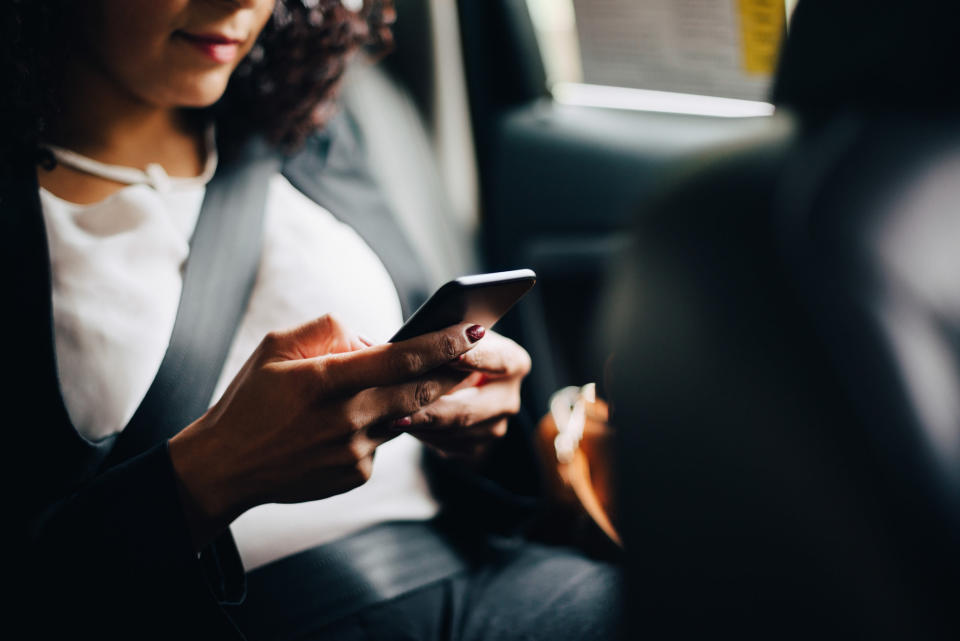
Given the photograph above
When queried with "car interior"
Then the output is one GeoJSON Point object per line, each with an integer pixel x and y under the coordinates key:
{"type": "Point", "coordinates": [768, 291]}
{"type": "Point", "coordinates": [744, 218]}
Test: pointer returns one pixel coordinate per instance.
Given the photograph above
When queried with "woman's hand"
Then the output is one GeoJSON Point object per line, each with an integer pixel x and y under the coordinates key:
{"type": "Point", "coordinates": [295, 424]}
{"type": "Point", "coordinates": [466, 421]}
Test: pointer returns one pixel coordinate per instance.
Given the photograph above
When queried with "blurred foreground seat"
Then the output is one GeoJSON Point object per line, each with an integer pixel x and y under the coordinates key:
{"type": "Point", "coordinates": [786, 328]}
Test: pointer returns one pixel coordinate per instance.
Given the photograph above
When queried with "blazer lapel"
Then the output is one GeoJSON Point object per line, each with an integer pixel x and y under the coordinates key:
{"type": "Point", "coordinates": [50, 456]}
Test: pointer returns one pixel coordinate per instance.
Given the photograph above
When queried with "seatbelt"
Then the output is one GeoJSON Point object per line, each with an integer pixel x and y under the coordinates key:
{"type": "Point", "coordinates": [219, 276]}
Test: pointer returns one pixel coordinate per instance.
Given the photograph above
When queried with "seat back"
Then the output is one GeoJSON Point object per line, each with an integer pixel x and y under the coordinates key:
{"type": "Point", "coordinates": [786, 378]}
{"type": "Point", "coordinates": [411, 110]}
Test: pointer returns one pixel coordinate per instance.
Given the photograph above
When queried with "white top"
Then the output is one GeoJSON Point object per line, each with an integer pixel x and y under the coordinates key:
{"type": "Point", "coordinates": [117, 274]}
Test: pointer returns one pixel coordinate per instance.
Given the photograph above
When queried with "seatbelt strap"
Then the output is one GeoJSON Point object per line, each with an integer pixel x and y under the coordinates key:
{"type": "Point", "coordinates": [219, 276]}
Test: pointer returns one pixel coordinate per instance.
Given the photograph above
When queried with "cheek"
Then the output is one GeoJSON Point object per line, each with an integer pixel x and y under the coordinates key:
{"type": "Point", "coordinates": [134, 43]}
{"type": "Point", "coordinates": [165, 72]}
{"type": "Point", "coordinates": [130, 41]}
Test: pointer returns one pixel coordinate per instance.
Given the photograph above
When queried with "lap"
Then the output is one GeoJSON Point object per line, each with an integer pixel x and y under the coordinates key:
{"type": "Point", "coordinates": [517, 592]}
{"type": "Point", "coordinates": [542, 592]}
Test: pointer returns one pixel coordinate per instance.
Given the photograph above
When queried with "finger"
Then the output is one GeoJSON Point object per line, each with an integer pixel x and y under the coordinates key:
{"type": "Point", "coordinates": [465, 443]}
{"type": "Point", "coordinates": [392, 363]}
{"type": "Point", "coordinates": [480, 432]}
{"type": "Point", "coordinates": [383, 432]}
{"type": "Point", "coordinates": [497, 356]}
{"type": "Point", "coordinates": [387, 430]}
{"type": "Point", "coordinates": [358, 342]}
{"type": "Point", "coordinates": [467, 407]}
{"type": "Point", "coordinates": [386, 403]}
{"type": "Point", "coordinates": [473, 379]}
{"type": "Point", "coordinates": [323, 335]}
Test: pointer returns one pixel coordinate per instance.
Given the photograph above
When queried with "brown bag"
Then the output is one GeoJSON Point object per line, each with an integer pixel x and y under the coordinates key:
{"type": "Point", "coordinates": [575, 440]}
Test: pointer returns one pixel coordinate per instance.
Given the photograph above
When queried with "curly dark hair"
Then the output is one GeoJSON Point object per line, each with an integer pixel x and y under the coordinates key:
{"type": "Point", "coordinates": [284, 89]}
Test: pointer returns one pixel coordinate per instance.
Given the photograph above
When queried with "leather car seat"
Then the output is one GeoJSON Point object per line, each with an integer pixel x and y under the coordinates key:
{"type": "Point", "coordinates": [786, 338]}
{"type": "Point", "coordinates": [411, 110]}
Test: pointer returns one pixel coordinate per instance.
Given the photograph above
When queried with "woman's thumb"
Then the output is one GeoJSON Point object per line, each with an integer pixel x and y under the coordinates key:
{"type": "Point", "coordinates": [320, 336]}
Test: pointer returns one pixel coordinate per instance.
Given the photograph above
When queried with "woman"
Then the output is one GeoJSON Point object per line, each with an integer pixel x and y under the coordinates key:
{"type": "Point", "coordinates": [125, 107]}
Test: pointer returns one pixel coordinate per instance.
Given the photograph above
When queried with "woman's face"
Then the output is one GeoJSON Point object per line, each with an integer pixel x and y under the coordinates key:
{"type": "Point", "coordinates": [172, 53]}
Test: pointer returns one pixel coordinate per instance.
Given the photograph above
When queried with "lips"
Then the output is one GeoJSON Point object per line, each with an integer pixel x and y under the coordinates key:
{"type": "Point", "coordinates": [215, 46]}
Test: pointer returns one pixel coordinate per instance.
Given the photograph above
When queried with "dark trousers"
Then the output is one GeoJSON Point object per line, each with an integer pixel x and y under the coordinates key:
{"type": "Point", "coordinates": [513, 590]}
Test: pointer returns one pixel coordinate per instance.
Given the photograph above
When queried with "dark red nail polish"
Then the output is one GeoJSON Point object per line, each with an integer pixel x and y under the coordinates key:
{"type": "Point", "coordinates": [406, 421]}
{"type": "Point", "coordinates": [475, 333]}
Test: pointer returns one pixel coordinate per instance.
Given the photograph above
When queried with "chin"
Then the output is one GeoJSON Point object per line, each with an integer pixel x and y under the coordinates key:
{"type": "Point", "coordinates": [197, 92]}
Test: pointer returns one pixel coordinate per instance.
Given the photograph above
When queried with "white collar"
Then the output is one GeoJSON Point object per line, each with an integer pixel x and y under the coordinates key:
{"type": "Point", "coordinates": [155, 175]}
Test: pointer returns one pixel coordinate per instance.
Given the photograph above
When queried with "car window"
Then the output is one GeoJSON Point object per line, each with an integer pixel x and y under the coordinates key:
{"type": "Point", "coordinates": [712, 56]}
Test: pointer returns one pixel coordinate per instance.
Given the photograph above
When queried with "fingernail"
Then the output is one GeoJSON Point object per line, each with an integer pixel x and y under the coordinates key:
{"type": "Point", "coordinates": [475, 333]}
{"type": "Point", "coordinates": [366, 341]}
{"type": "Point", "coordinates": [406, 421]}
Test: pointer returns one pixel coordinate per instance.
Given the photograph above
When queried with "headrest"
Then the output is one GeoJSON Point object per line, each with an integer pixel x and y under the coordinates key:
{"type": "Point", "coordinates": [870, 56]}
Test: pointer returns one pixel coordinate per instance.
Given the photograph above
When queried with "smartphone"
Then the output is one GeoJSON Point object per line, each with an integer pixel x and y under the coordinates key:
{"type": "Point", "coordinates": [481, 299]}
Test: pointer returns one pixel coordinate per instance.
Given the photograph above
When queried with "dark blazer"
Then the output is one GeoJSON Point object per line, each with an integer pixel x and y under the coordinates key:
{"type": "Point", "coordinates": [105, 548]}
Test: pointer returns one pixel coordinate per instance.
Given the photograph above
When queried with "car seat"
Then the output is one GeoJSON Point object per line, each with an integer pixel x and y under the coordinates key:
{"type": "Point", "coordinates": [786, 338]}
{"type": "Point", "coordinates": [411, 110]}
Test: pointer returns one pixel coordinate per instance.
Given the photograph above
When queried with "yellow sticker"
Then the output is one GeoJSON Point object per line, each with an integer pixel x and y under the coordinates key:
{"type": "Point", "coordinates": [761, 30]}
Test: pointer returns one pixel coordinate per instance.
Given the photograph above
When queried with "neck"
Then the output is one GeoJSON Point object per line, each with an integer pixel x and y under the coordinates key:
{"type": "Point", "coordinates": [101, 120]}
